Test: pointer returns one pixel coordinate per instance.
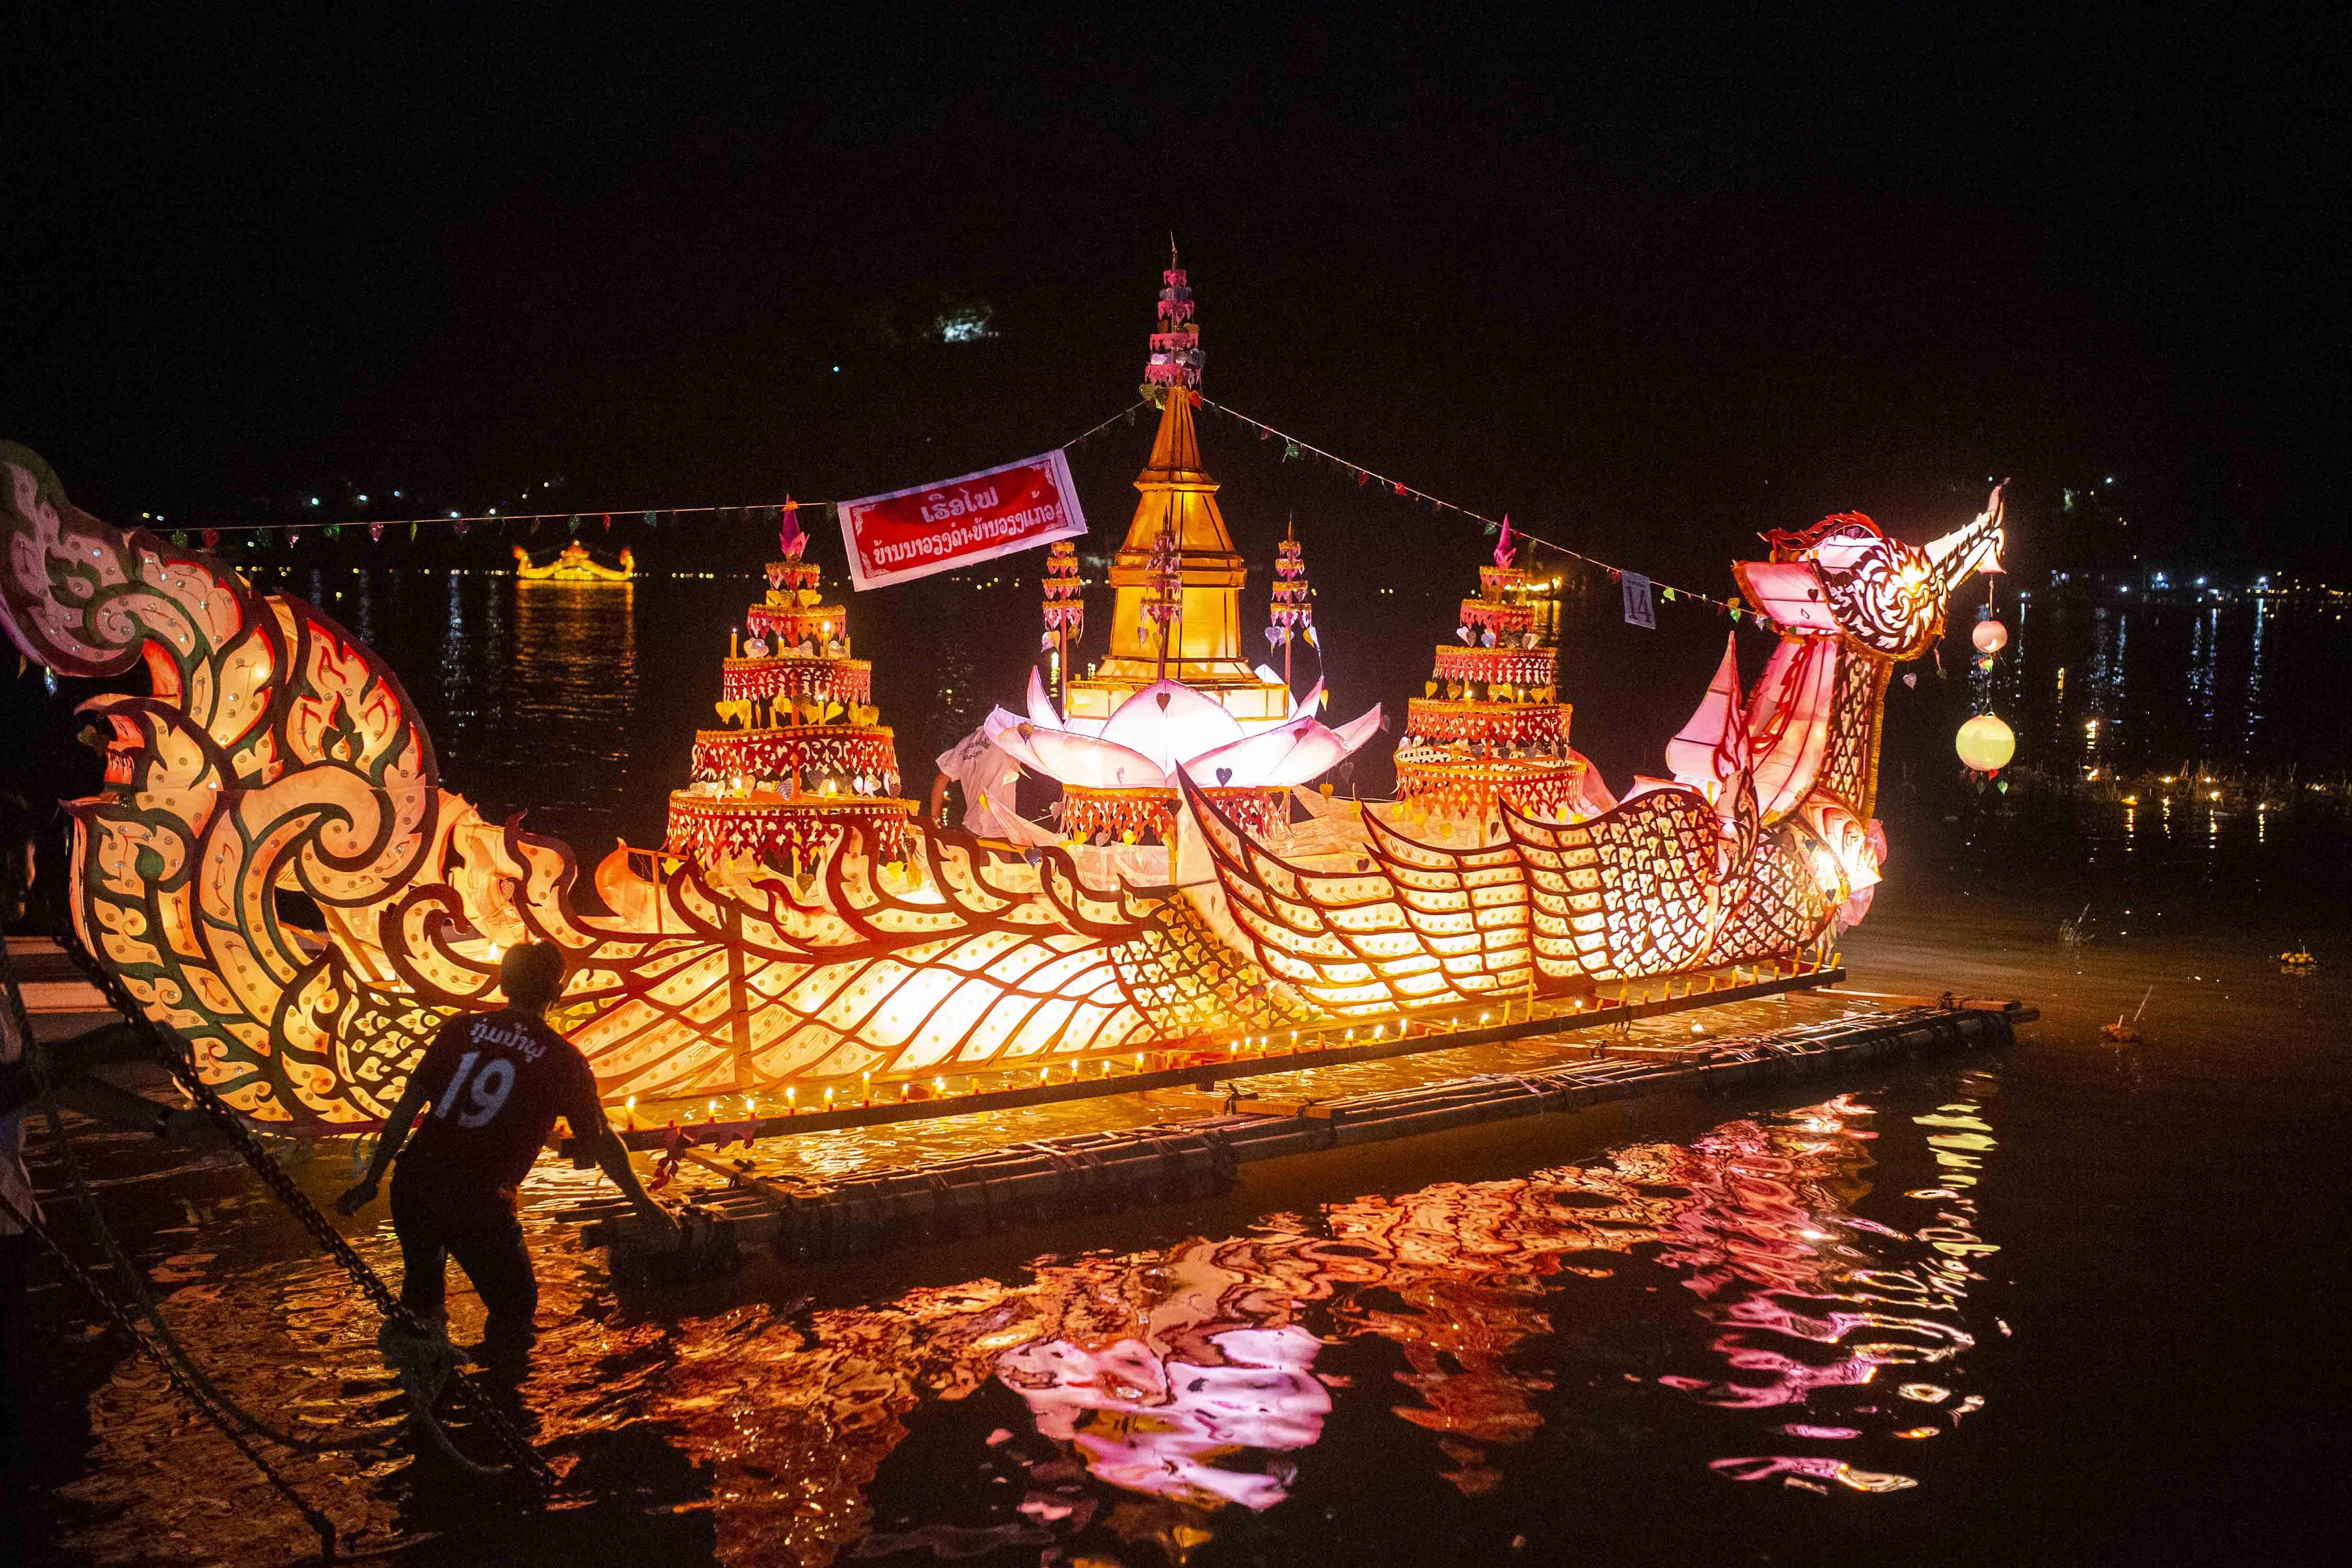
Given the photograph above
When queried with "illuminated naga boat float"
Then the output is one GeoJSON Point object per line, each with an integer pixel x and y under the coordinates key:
{"type": "Point", "coordinates": [573, 563]}
{"type": "Point", "coordinates": [804, 942]}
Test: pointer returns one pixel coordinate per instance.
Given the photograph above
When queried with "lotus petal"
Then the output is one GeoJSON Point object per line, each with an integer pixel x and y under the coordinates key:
{"type": "Point", "coordinates": [1087, 761]}
{"type": "Point", "coordinates": [1170, 722]}
{"type": "Point", "coordinates": [1292, 753]}
{"type": "Point", "coordinates": [1041, 706]}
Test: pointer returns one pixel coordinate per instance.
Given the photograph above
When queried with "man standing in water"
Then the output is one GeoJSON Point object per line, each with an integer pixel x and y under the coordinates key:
{"type": "Point", "coordinates": [496, 1082]}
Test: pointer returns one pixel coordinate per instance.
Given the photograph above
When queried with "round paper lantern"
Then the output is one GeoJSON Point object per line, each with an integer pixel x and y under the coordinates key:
{"type": "Point", "coordinates": [1985, 743]}
{"type": "Point", "coordinates": [1991, 636]}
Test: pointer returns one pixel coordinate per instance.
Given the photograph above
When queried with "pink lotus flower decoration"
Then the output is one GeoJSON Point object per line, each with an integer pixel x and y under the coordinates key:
{"type": "Point", "coordinates": [1168, 726]}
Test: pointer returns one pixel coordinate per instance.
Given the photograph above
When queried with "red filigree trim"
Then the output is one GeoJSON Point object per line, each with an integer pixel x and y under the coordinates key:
{"type": "Point", "coordinates": [1449, 782]}
{"type": "Point", "coordinates": [813, 752]}
{"type": "Point", "coordinates": [1543, 724]}
{"type": "Point", "coordinates": [798, 676]}
{"type": "Point", "coordinates": [772, 831]}
{"type": "Point", "coordinates": [1516, 666]}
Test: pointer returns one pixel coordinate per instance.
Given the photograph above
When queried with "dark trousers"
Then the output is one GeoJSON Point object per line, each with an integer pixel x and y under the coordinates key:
{"type": "Point", "coordinates": [478, 1228]}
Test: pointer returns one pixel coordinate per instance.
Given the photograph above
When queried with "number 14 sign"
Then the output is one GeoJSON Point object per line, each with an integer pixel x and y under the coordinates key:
{"type": "Point", "coordinates": [1639, 610]}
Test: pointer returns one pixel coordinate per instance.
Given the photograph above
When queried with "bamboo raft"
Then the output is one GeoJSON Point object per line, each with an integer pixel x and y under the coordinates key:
{"type": "Point", "coordinates": [1090, 1172]}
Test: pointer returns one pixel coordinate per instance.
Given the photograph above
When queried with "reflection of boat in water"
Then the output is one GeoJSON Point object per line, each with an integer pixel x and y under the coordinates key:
{"type": "Point", "coordinates": [1167, 1389]}
{"type": "Point", "coordinates": [573, 563]}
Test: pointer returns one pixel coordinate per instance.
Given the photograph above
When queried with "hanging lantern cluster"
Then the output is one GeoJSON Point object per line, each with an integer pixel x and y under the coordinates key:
{"type": "Point", "coordinates": [1292, 613]}
{"type": "Point", "coordinates": [1985, 744]}
{"type": "Point", "coordinates": [1989, 638]}
{"type": "Point", "coordinates": [1164, 589]}
{"type": "Point", "coordinates": [1066, 611]}
{"type": "Point", "coordinates": [1176, 358]}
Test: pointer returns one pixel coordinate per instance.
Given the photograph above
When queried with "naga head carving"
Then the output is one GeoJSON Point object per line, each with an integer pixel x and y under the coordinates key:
{"type": "Point", "coordinates": [1847, 575]}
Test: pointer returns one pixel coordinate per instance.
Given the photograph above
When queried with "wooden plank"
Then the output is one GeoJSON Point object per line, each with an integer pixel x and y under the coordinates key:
{"type": "Point", "coordinates": [1027, 1183]}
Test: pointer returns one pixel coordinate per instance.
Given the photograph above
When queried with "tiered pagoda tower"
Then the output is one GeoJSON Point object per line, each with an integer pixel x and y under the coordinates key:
{"type": "Point", "coordinates": [1202, 643]}
{"type": "Point", "coordinates": [802, 758]}
{"type": "Point", "coordinates": [1491, 723]}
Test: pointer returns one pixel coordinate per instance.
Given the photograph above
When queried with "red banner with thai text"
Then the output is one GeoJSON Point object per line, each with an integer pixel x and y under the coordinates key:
{"type": "Point", "coordinates": [962, 521]}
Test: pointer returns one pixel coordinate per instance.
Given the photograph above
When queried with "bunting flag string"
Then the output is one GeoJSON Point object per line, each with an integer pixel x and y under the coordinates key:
{"type": "Point", "coordinates": [1294, 447]}
{"type": "Point", "coordinates": [757, 512]}
{"type": "Point", "coordinates": [460, 523]}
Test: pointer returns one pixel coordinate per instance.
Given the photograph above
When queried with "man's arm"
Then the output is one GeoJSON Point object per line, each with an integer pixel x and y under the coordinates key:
{"type": "Point", "coordinates": [396, 1132]}
{"type": "Point", "coordinates": [613, 1159]}
{"type": "Point", "coordinates": [586, 1117]}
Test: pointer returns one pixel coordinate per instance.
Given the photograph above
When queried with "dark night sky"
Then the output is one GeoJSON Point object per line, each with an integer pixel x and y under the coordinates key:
{"type": "Point", "coordinates": [1651, 288]}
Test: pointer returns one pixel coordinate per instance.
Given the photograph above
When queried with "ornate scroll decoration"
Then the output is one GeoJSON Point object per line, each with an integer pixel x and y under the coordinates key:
{"type": "Point", "coordinates": [276, 751]}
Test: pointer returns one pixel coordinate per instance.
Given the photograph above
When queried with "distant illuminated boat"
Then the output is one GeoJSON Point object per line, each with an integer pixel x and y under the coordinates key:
{"type": "Point", "coordinates": [574, 564]}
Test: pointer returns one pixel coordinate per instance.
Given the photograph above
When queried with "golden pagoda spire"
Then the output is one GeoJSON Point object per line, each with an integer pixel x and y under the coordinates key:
{"type": "Point", "coordinates": [1178, 498]}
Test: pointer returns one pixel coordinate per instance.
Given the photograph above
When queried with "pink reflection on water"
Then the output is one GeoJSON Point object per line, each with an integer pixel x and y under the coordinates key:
{"type": "Point", "coordinates": [1165, 1386]}
{"type": "Point", "coordinates": [1782, 1268]}
{"type": "Point", "coordinates": [1838, 1470]}
{"type": "Point", "coordinates": [1152, 1423]}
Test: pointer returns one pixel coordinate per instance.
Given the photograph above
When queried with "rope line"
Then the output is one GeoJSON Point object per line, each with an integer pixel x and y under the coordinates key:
{"type": "Point", "coordinates": [1400, 488]}
{"type": "Point", "coordinates": [135, 1278]}
{"type": "Point", "coordinates": [605, 513]}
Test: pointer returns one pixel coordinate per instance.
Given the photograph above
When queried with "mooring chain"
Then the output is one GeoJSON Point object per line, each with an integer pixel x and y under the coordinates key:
{"type": "Point", "coordinates": [187, 1390]}
{"type": "Point", "coordinates": [134, 1277]}
{"type": "Point", "coordinates": [178, 1061]}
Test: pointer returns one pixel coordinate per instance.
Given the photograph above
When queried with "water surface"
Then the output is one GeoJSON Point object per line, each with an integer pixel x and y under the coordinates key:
{"type": "Point", "coordinates": [2064, 1303]}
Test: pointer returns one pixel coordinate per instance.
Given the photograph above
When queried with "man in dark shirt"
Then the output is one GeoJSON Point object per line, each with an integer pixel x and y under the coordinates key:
{"type": "Point", "coordinates": [496, 1082]}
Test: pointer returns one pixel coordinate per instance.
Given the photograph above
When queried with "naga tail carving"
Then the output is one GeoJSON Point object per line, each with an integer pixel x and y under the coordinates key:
{"type": "Point", "coordinates": [275, 751]}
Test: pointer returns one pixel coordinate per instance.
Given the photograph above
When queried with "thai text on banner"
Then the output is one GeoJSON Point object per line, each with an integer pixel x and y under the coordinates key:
{"type": "Point", "coordinates": [962, 521]}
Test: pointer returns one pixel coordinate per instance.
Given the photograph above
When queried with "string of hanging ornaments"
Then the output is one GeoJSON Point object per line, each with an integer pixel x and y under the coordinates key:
{"type": "Point", "coordinates": [768, 513]}
{"type": "Point", "coordinates": [1986, 743]}
{"type": "Point", "coordinates": [773, 513]}
{"type": "Point", "coordinates": [1295, 449]}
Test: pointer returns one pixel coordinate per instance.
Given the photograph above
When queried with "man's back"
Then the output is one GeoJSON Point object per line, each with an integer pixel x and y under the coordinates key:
{"type": "Point", "coordinates": [497, 1082]}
